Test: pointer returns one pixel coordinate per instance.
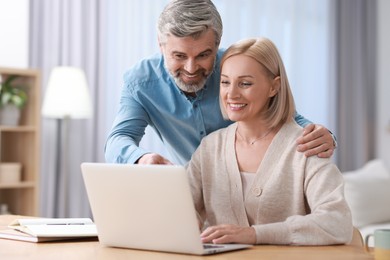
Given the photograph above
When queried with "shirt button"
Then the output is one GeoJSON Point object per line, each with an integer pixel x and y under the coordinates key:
{"type": "Point", "coordinates": [195, 105]}
{"type": "Point", "coordinates": [201, 132]}
{"type": "Point", "coordinates": [256, 192]}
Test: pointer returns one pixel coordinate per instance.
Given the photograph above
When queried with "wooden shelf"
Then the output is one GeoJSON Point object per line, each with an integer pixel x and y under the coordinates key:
{"type": "Point", "coordinates": [17, 128]}
{"type": "Point", "coordinates": [21, 144]}
{"type": "Point", "coordinates": [18, 185]}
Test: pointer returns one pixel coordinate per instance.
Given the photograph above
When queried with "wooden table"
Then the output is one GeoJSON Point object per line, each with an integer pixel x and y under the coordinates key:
{"type": "Point", "coordinates": [69, 250]}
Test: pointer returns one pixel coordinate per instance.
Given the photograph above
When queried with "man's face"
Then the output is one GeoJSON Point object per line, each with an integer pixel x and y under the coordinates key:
{"type": "Point", "coordinates": [190, 61]}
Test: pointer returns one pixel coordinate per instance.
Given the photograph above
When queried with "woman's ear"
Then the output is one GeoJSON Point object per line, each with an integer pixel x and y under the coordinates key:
{"type": "Point", "coordinates": [275, 86]}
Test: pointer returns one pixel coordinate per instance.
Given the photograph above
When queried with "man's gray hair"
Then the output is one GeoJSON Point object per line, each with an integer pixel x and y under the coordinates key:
{"type": "Point", "coordinates": [183, 18]}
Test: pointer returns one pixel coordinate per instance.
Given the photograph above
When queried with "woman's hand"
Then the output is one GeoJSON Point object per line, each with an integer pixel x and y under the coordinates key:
{"type": "Point", "coordinates": [225, 234]}
{"type": "Point", "coordinates": [316, 140]}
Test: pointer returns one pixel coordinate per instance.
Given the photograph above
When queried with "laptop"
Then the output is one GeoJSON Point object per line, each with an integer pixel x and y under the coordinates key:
{"type": "Point", "coordinates": [146, 207]}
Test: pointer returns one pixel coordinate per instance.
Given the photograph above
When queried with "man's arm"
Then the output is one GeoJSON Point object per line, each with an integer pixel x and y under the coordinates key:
{"type": "Point", "coordinates": [316, 139]}
{"type": "Point", "coordinates": [128, 129]}
{"type": "Point", "coordinates": [301, 120]}
{"type": "Point", "coordinates": [126, 134]}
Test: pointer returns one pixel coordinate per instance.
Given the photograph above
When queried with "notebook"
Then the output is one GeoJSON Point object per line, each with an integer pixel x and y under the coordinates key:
{"type": "Point", "coordinates": [49, 229]}
{"type": "Point", "coordinates": [146, 207]}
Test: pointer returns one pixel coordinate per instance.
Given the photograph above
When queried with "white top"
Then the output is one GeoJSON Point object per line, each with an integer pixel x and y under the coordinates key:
{"type": "Point", "coordinates": [247, 180]}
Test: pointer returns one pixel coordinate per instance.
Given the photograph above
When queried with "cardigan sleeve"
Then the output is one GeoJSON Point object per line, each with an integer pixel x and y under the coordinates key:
{"type": "Point", "coordinates": [195, 180]}
{"type": "Point", "coordinates": [329, 219]}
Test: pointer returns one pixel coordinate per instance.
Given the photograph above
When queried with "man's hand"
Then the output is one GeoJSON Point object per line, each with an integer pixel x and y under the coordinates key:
{"type": "Point", "coordinates": [225, 234]}
{"type": "Point", "coordinates": [316, 140]}
{"type": "Point", "coordinates": [153, 158]}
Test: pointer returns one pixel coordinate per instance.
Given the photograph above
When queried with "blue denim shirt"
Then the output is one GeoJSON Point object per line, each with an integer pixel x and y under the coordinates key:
{"type": "Point", "coordinates": [151, 97]}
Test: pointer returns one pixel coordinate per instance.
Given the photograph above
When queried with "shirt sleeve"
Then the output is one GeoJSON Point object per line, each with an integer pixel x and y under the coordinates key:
{"type": "Point", "coordinates": [127, 131]}
{"type": "Point", "coordinates": [302, 121]}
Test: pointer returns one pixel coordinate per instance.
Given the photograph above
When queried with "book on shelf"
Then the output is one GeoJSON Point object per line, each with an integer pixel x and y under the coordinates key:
{"type": "Point", "coordinates": [49, 229]}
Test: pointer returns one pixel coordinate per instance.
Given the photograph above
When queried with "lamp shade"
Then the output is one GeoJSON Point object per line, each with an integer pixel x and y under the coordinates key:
{"type": "Point", "coordinates": [67, 94]}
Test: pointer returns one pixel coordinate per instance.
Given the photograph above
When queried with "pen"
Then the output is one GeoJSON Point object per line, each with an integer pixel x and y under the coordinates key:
{"type": "Point", "coordinates": [55, 224]}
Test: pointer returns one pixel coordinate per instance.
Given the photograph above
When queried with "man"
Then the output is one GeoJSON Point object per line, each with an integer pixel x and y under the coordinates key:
{"type": "Point", "coordinates": [176, 92]}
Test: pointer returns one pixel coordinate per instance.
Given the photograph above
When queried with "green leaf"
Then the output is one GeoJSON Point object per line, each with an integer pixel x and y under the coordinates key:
{"type": "Point", "coordinates": [12, 94]}
{"type": "Point", "coordinates": [5, 98]}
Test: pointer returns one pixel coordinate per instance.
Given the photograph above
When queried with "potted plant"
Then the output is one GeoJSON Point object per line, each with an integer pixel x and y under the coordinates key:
{"type": "Point", "coordinates": [12, 99]}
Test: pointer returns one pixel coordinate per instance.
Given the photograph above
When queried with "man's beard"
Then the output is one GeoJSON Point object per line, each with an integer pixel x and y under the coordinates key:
{"type": "Point", "coordinates": [191, 87]}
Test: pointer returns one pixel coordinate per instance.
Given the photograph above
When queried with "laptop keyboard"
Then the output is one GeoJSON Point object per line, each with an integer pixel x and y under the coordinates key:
{"type": "Point", "coordinates": [208, 246]}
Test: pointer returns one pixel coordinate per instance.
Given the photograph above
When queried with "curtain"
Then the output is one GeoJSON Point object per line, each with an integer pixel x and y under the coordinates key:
{"type": "Point", "coordinates": [356, 85]}
{"type": "Point", "coordinates": [68, 33]}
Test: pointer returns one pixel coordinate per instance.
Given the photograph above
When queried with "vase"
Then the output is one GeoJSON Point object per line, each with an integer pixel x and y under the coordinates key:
{"type": "Point", "coordinates": [9, 115]}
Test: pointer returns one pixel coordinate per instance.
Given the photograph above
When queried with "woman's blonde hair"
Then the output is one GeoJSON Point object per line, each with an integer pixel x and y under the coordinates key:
{"type": "Point", "coordinates": [281, 107]}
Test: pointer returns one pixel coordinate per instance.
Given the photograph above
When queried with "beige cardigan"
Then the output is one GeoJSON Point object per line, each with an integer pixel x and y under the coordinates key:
{"type": "Point", "coordinates": [293, 199]}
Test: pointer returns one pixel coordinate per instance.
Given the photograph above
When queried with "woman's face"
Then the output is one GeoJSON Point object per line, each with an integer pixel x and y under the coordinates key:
{"type": "Point", "coordinates": [246, 88]}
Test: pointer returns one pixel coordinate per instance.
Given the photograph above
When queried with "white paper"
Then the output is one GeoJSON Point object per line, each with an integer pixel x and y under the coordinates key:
{"type": "Point", "coordinates": [54, 227]}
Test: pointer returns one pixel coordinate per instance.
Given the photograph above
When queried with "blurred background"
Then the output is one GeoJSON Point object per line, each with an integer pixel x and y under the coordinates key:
{"type": "Point", "coordinates": [336, 54]}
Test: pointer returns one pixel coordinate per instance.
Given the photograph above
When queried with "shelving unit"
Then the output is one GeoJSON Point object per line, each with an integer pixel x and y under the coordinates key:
{"type": "Point", "coordinates": [21, 144]}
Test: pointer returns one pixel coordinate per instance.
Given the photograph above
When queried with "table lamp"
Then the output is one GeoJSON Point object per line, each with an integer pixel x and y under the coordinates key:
{"type": "Point", "coordinates": [67, 97]}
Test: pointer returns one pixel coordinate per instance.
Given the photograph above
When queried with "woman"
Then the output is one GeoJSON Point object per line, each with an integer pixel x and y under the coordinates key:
{"type": "Point", "coordinates": [249, 183]}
